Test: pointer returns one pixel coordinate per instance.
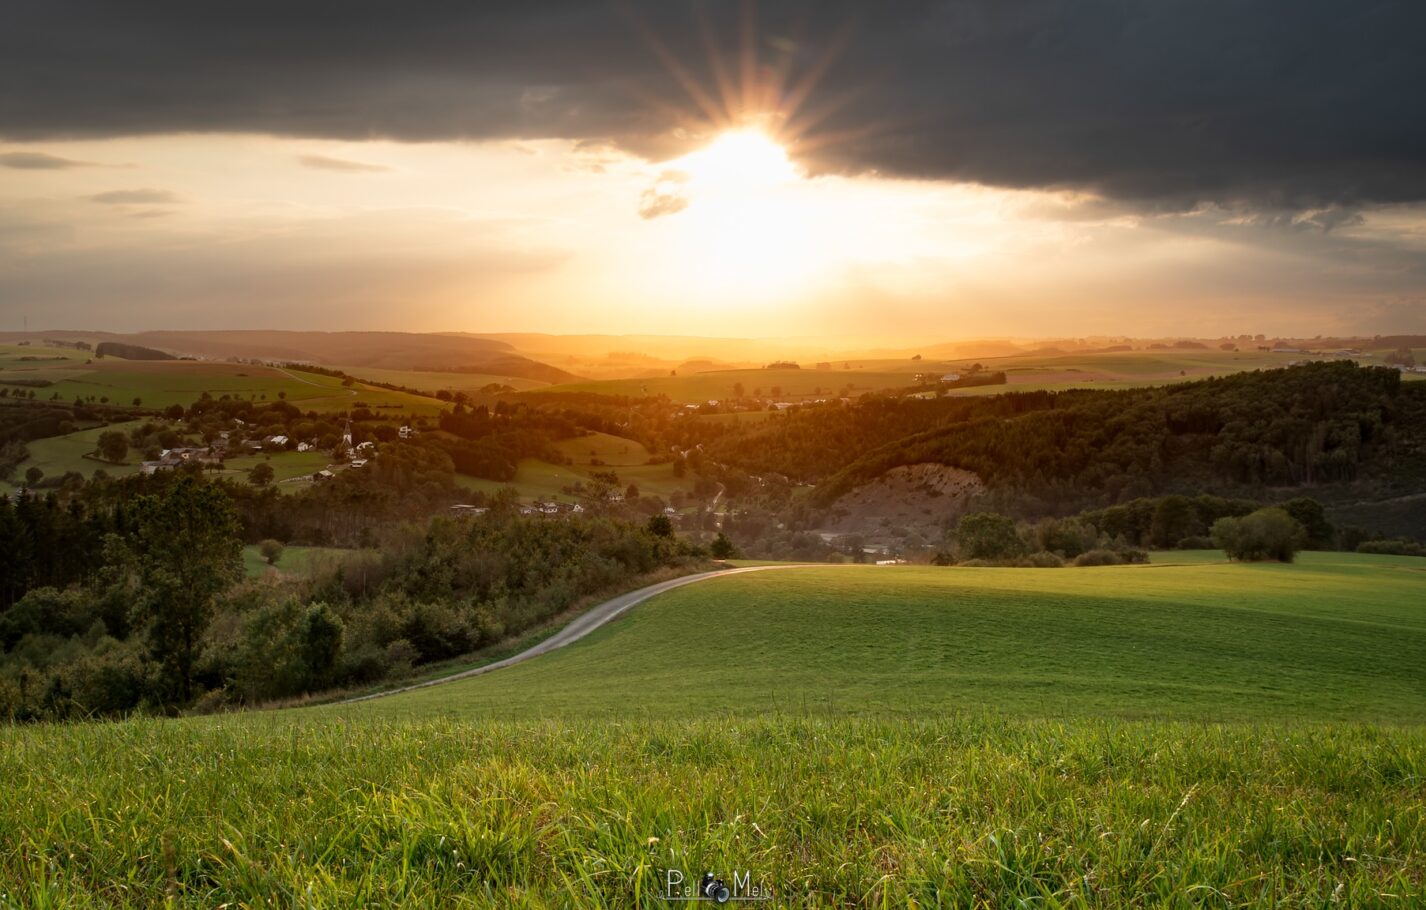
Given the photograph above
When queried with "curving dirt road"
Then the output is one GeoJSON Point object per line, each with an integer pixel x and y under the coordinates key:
{"type": "Point", "coordinates": [582, 625]}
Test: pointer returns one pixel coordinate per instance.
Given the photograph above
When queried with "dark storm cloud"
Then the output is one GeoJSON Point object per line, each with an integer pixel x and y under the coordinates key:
{"type": "Point", "coordinates": [1285, 105]}
{"type": "Point", "coordinates": [38, 161]}
{"type": "Point", "coordinates": [135, 197]}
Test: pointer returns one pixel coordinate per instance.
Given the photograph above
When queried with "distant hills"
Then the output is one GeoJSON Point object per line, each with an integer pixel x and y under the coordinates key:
{"type": "Point", "coordinates": [378, 350]}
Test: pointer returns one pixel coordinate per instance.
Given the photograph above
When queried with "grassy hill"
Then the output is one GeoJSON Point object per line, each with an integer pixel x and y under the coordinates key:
{"type": "Point", "coordinates": [861, 736]}
{"type": "Point", "coordinates": [74, 374]}
{"type": "Point", "coordinates": [1338, 636]}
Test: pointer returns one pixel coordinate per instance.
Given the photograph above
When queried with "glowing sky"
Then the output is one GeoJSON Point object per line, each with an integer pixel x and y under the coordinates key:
{"type": "Point", "coordinates": [181, 216]}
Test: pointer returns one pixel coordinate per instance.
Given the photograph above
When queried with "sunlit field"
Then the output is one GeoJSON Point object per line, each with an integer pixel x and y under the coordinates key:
{"type": "Point", "coordinates": [1188, 733]}
{"type": "Point", "coordinates": [158, 384]}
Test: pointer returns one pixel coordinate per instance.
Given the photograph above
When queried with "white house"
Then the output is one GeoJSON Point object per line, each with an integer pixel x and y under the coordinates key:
{"type": "Point", "coordinates": [951, 377]}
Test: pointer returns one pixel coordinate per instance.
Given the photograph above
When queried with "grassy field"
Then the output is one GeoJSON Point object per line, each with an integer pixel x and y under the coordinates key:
{"type": "Point", "coordinates": [158, 384]}
{"type": "Point", "coordinates": [539, 480]}
{"type": "Point", "coordinates": [1024, 372]}
{"type": "Point", "coordinates": [432, 381]}
{"type": "Point", "coordinates": [1336, 637]}
{"type": "Point", "coordinates": [60, 454]}
{"type": "Point", "coordinates": [1186, 734]}
{"type": "Point", "coordinates": [793, 385]}
{"type": "Point", "coordinates": [293, 561]}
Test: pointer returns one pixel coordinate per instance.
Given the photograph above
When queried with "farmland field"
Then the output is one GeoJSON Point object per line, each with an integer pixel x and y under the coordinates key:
{"type": "Point", "coordinates": [792, 385]}
{"type": "Point", "coordinates": [537, 479]}
{"type": "Point", "coordinates": [431, 381]}
{"type": "Point", "coordinates": [158, 384]}
{"type": "Point", "coordinates": [1194, 638]}
{"type": "Point", "coordinates": [1190, 733]}
{"type": "Point", "coordinates": [59, 455]}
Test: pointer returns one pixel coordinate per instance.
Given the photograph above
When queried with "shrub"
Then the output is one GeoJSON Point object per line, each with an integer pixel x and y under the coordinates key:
{"type": "Point", "coordinates": [1267, 534]}
{"type": "Point", "coordinates": [988, 535]}
{"type": "Point", "coordinates": [271, 550]}
{"type": "Point", "coordinates": [1199, 542]}
{"type": "Point", "coordinates": [1043, 560]}
{"type": "Point", "coordinates": [1098, 557]}
{"type": "Point", "coordinates": [1397, 547]}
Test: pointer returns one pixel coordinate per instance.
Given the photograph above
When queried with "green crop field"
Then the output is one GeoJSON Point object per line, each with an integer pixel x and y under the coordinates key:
{"type": "Point", "coordinates": [1186, 734]}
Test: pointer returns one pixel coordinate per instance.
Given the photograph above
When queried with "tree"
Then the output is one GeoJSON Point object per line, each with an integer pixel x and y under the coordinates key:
{"type": "Point", "coordinates": [988, 535]}
{"type": "Point", "coordinates": [1309, 513]}
{"type": "Point", "coordinates": [271, 550]}
{"type": "Point", "coordinates": [660, 526]}
{"type": "Point", "coordinates": [34, 475]}
{"type": "Point", "coordinates": [722, 547]}
{"type": "Point", "coordinates": [186, 552]}
{"type": "Point", "coordinates": [261, 475]}
{"type": "Point", "coordinates": [1174, 519]}
{"type": "Point", "coordinates": [113, 445]}
{"type": "Point", "coordinates": [1266, 534]}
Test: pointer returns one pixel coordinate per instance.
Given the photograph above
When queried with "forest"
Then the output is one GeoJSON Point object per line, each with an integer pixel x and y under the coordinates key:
{"type": "Point", "coordinates": [138, 602]}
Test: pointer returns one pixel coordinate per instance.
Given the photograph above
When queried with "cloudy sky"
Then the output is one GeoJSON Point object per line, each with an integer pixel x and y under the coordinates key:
{"type": "Point", "coordinates": [888, 170]}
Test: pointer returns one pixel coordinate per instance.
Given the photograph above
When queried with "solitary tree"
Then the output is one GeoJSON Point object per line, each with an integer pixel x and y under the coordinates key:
{"type": "Point", "coordinates": [271, 550]}
{"type": "Point", "coordinates": [1266, 534]}
{"type": "Point", "coordinates": [660, 526]}
{"type": "Point", "coordinates": [113, 445]}
{"type": "Point", "coordinates": [722, 547]}
{"type": "Point", "coordinates": [34, 475]}
{"type": "Point", "coordinates": [186, 552]}
{"type": "Point", "coordinates": [261, 475]}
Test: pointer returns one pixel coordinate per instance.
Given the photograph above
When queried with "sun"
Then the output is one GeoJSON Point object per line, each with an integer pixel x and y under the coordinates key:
{"type": "Point", "coordinates": [739, 160]}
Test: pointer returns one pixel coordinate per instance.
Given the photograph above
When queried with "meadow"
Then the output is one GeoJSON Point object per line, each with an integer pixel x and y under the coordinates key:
{"type": "Point", "coordinates": [1335, 637]}
{"type": "Point", "coordinates": [536, 479]}
{"type": "Point", "coordinates": [158, 384]}
{"type": "Point", "coordinates": [1191, 733]}
{"type": "Point", "coordinates": [59, 455]}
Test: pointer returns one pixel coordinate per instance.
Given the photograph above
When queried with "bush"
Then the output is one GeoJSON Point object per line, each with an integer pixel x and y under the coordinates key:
{"type": "Point", "coordinates": [1098, 557]}
{"type": "Point", "coordinates": [1397, 547]}
{"type": "Point", "coordinates": [271, 550]}
{"type": "Point", "coordinates": [1267, 534]}
{"type": "Point", "coordinates": [1043, 560]}
{"type": "Point", "coordinates": [988, 535]}
{"type": "Point", "coordinates": [975, 564]}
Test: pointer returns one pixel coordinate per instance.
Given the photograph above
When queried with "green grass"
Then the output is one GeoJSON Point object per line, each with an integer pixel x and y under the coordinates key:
{"type": "Point", "coordinates": [158, 384]}
{"type": "Point", "coordinates": [61, 454]}
{"type": "Point", "coordinates": [536, 479]}
{"type": "Point", "coordinates": [285, 466]}
{"type": "Point", "coordinates": [1191, 733]}
{"type": "Point", "coordinates": [1335, 637]}
{"type": "Point", "coordinates": [431, 381]}
{"type": "Point", "coordinates": [295, 560]}
{"type": "Point", "coordinates": [296, 810]}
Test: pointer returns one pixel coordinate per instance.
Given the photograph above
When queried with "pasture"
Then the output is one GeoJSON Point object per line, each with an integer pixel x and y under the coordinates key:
{"type": "Point", "coordinates": [58, 455]}
{"type": "Point", "coordinates": [1335, 637]}
{"type": "Point", "coordinates": [158, 384]}
{"type": "Point", "coordinates": [1188, 734]}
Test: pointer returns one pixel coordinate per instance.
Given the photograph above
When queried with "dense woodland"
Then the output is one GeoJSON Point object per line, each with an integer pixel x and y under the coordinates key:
{"type": "Point", "coordinates": [1315, 425]}
{"type": "Point", "coordinates": [137, 601]}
